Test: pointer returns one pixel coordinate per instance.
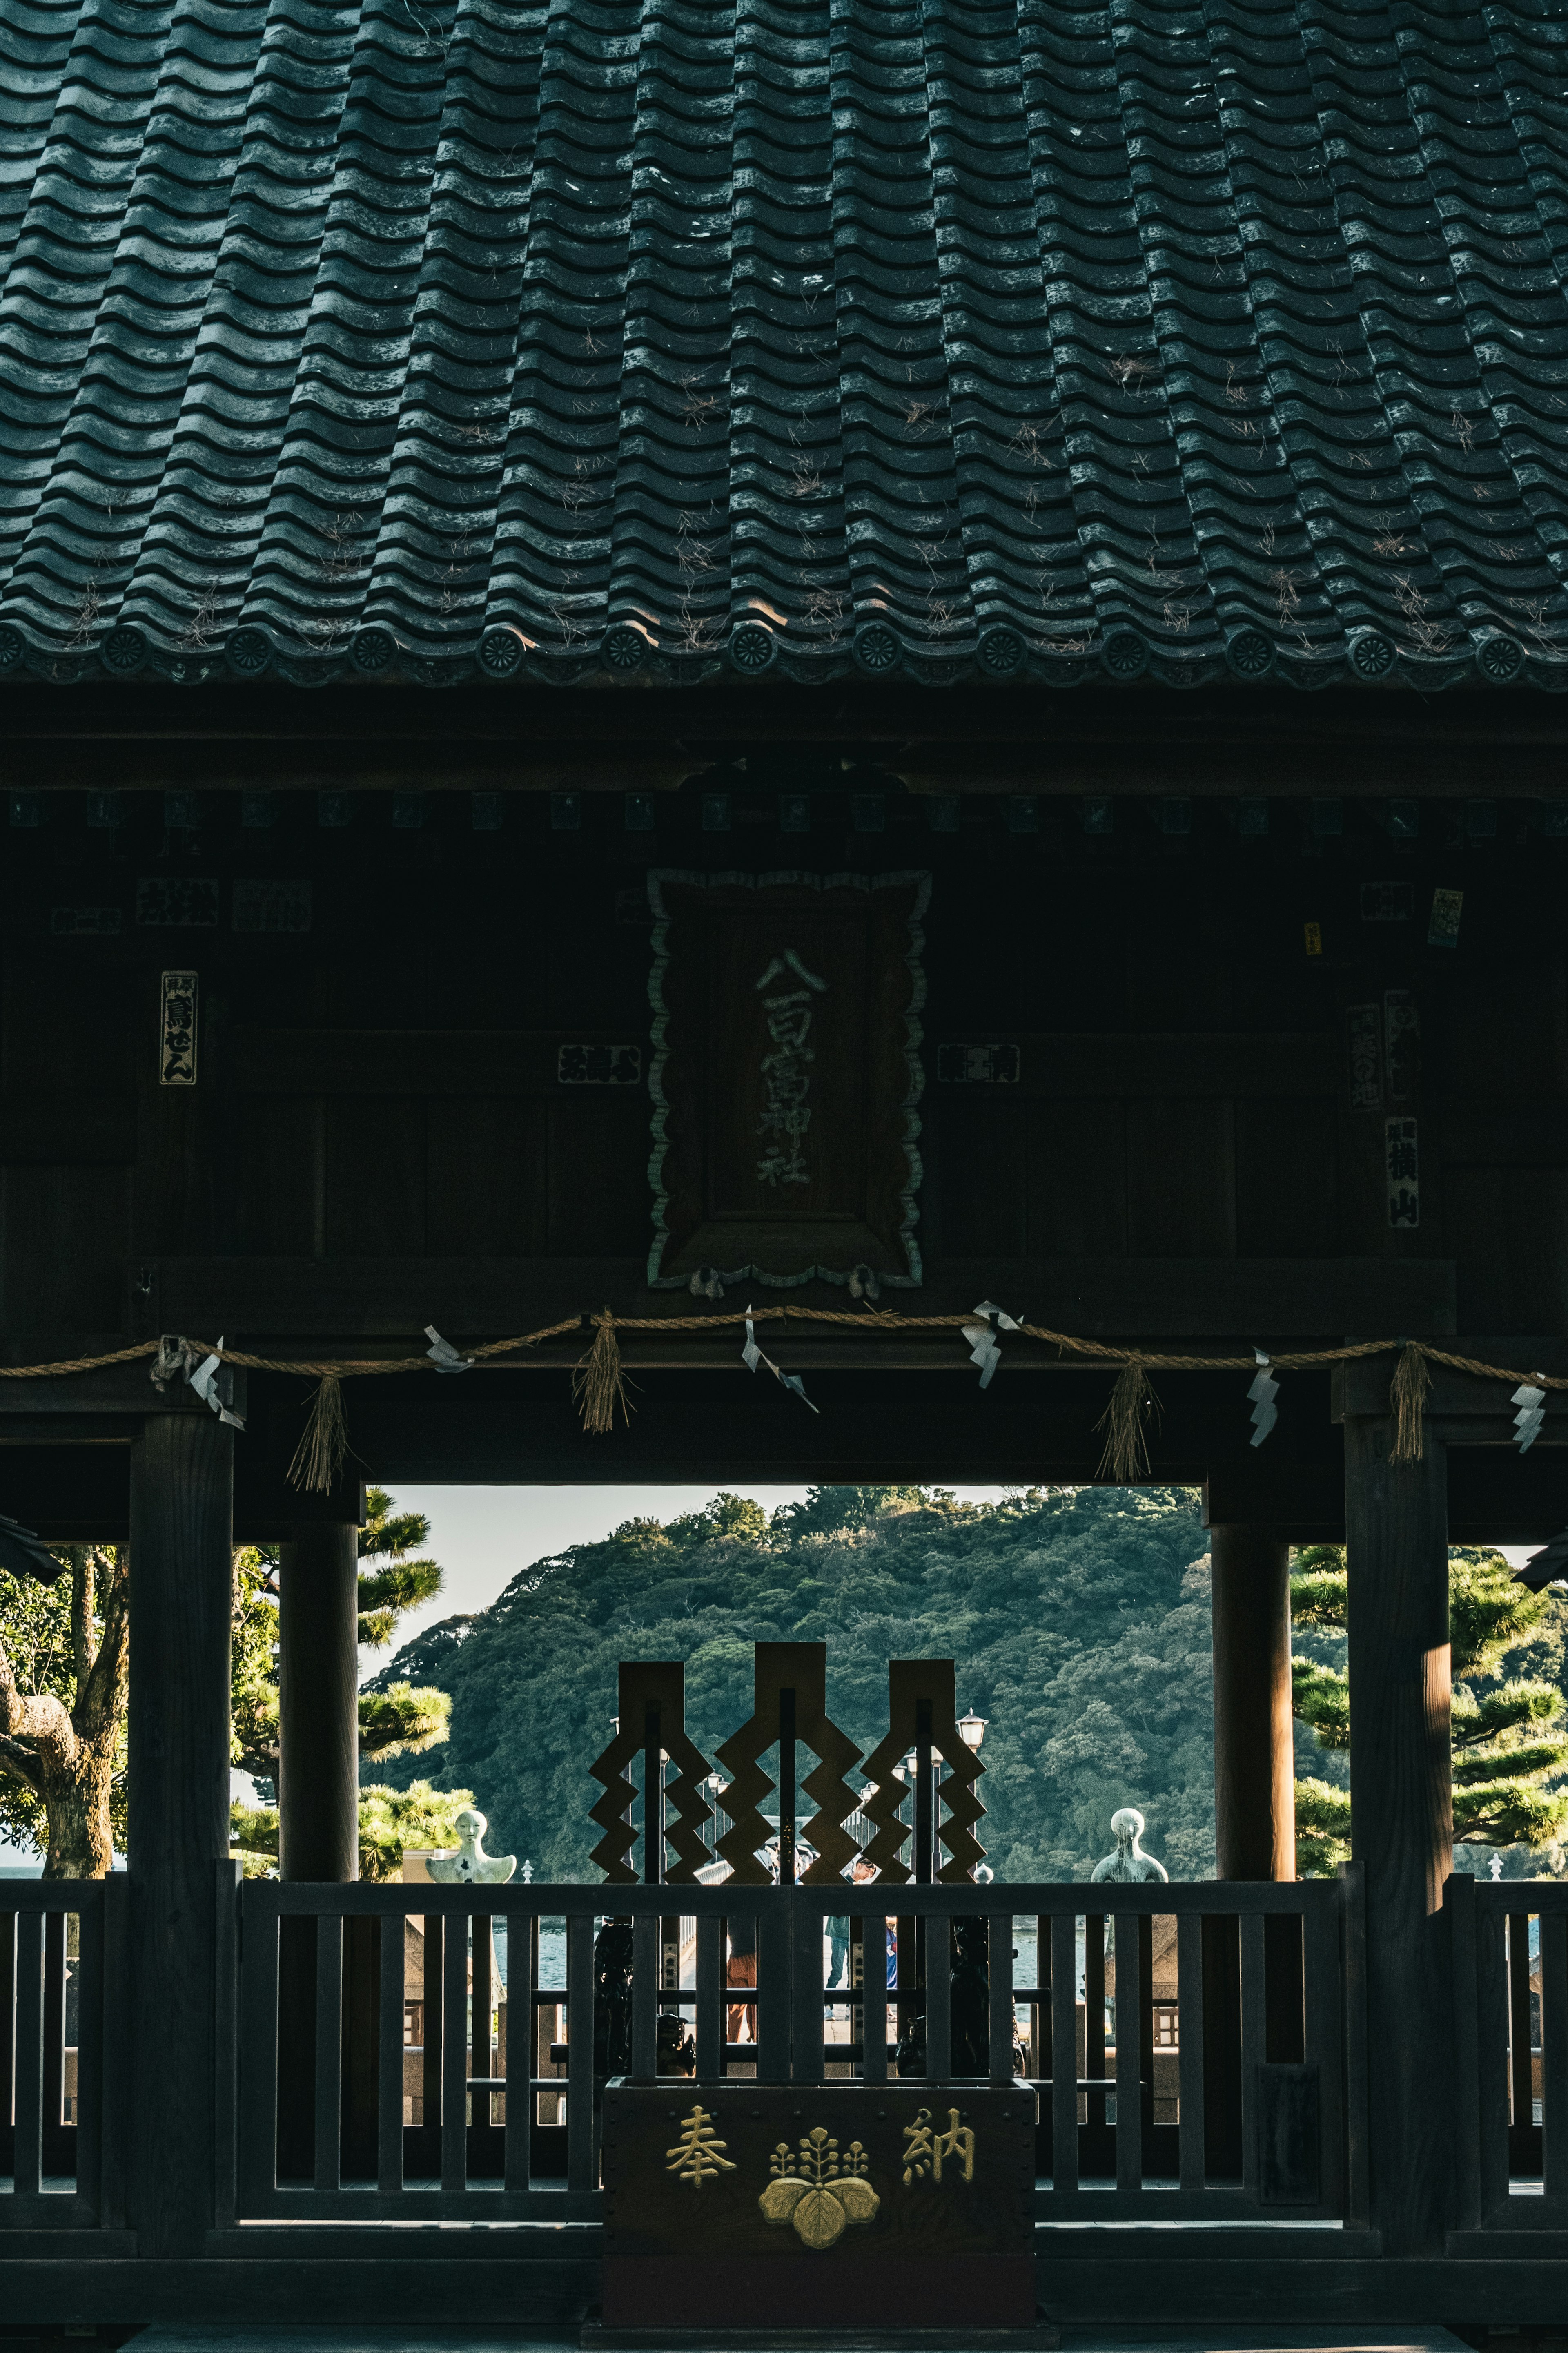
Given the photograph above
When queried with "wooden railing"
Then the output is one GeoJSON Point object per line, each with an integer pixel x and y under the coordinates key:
{"type": "Point", "coordinates": [1510, 1986]}
{"type": "Point", "coordinates": [1249, 2107]}
{"type": "Point", "coordinates": [60, 1946]}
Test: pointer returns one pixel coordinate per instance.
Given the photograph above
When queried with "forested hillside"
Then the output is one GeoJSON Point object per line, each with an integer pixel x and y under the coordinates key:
{"type": "Point", "coordinates": [1080, 1623]}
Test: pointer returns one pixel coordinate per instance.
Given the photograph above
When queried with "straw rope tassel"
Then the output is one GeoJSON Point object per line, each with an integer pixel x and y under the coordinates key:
{"type": "Point", "coordinates": [599, 1384]}
{"type": "Point", "coordinates": [1126, 1456]}
{"type": "Point", "coordinates": [318, 1457]}
{"type": "Point", "coordinates": [1407, 1396]}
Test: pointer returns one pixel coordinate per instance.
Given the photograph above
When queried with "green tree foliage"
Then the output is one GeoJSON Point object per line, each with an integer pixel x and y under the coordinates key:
{"type": "Point", "coordinates": [1510, 1736]}
{"type": "Point", "coordinates": [62, 1710]}
{"type": "Point", "coordinates": [1080, 1623]}
{"type": "Point", "coordinates": [394, 1718]}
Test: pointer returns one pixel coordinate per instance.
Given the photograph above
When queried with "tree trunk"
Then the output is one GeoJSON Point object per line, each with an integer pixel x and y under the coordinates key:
{"type": "Point", "coordinates": [75, 1804]}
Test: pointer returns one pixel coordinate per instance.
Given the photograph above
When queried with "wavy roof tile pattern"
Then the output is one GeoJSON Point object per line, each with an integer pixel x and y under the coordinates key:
{"type": "Point", "coordinates": [555, 339]}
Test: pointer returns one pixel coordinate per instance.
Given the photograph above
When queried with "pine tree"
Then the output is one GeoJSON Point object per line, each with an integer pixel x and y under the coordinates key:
{"type": "Point", "coordinates": [62, 1709]}
{"type": "Point", "coordinates": [1507, 1732]}
{"type": "Point", "coordinates": [395, 1578]}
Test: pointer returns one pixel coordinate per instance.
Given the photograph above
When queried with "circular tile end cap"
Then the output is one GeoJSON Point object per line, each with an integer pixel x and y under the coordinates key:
{"type": "Point", "coordinates": [124, 649]}
{"type": "Point", "coordinates": [1499, 659]}
{"type": "Point", "coordinates": [876, 649]}
{"type": "Point", "coordinates": [1249, 653]}
{"type": "Point", "coordinates": [500, 651]}
{"type": "Point", "coordinates": [753, 646]}
{"type": "Point", "coordinates": [249, 652]}
{"type": "Point", "coordinates": [1124, 654]}
{"type": "Point", "coordinates": [625, 645]}
{"type": "Point", "coordinates": [1000, 651]}
{"type": "Point", "coordinates": [1372, 655]}
{"type": "Point", "coordinates": [374, 649]}
{"type": "Point", "coordinates": [13, 646]}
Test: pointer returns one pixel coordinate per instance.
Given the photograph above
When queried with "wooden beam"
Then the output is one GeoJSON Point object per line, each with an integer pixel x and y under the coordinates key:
{"type": "Point", "coordinates": [1244, 1299]}
{"type": "Point", "coordinates": [181, 1599]}
{"type": "Point", "coordinates": [1254, 1730]}
{"type": "Point", "coordinates": [49, 1130]}
{"type": "Point", "coordinates": [1397, 1535]}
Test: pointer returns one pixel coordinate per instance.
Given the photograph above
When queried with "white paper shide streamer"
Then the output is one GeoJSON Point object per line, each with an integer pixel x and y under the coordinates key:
{"type": "Point", "coordinates": [1264, 1390]}
{"type": "Point", "coordinates": [751, 1357]}
{"type": "Point", "coordinates": [1527, 1421]}
{"type": "Point", "coordinates": [984, 1347]}
{"type": "Point", "coordinates": [443, 1356]}
{"type": "Point", "coordinates": [204, 1381]}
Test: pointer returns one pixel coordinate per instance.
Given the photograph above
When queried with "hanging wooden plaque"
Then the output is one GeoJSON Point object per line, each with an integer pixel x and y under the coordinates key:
{"type": "Point", "coordinates": [786, 1076]}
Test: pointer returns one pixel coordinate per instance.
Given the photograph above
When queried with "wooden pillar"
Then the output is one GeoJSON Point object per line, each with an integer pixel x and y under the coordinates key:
{"type": "Point", "coordinates": [317, 1693]}
{"type": "Point", "coordinates": [1396, 1526]}
{"type": "Point", "coordinates": [181, 1588]}
{"type": "Point", "coordinates": [1254, 1734]}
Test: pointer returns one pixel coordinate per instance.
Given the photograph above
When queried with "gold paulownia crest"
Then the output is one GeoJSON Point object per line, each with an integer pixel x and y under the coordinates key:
{"type": "Point", "coordinates": [818, 2190]}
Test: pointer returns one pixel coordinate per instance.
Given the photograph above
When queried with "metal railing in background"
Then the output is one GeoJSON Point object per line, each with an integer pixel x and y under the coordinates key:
{"type": "Point", "coordinates": [340, 2115]}
{"type": "Point", "coordinates": [60, 1946]}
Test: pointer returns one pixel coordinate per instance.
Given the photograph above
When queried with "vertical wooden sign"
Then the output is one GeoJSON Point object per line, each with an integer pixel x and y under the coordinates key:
{"type": "Point", "coordinates": [178, 1030]}
{"type": "Point", "coordinates": [786, 1076]}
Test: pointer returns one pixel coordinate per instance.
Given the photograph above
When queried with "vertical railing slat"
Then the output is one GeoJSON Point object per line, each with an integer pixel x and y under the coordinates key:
{"type": "Point", "coordinates": [939, 1998]}
{"type": "Point", "coordinates": [1190, 2049]}
{"type": "Point", "coordinates": [27, 2162]}
{"type": "Point", "coordinates": [1128, 2039]}
{"type": "Point", "coordinates": [258, 2052]}
{"type": "Point", "coordinates": [807, 1988]}
{"type": "Point", "coordinates": [580, 2167]}
{"type": "Point", "coordinates": [999, 1970]}
{"type": "Point", "coordinates": [711, 2018]}
{"type": "Point", "coordinates": [1460, 1902]}
{"type": "Point", "coordinates": [1554, 2053]}
{"type": "Point", "coordinates": [328, 2174]}
{"type": "Point", "coordinates": [1492, 2060]}
{"type": "Point", "coordinates": [874, 1998]}
{"type": "Point", "coordinates": [522, 2023]}
{"type": "Point", "coordinates": [1254, 2025]}
{"type": "Point", "coordinates": [455, 2056]}
{"type": "Point", "coordinates": [390, 2065]}
{"type": "Point", "coordinates": [1523, 2073]}
{"type": "Point", "coordinates": [90, 2118]}
{"type": "Point", "coordinates": [644, 1993]}
{"type": "Point", "coordinates": [773, 1961]}
{"type": "Point", "coordinates": [1064, 2055]}
{"type": "Point", "coordinates": [7, 2038]}
{"type": "Point", "coordinates": [227, 1882]}
{"type": "Point", "coordinates": [1323, 2043]}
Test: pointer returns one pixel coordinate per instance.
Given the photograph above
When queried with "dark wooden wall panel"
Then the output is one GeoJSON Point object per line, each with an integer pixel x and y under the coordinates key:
{"type": "Point", "coordinates": [63, 1239]}
{"type": "Point", "coordinates": [1077, 1179]}
{"type": "Point", "coordinates": [488, 1178]}
{"type": "Point", "coordinates": [600, 1202]}
{"type": "Point", "coordinates": [1285, 1179]}
{"type": "Point", "coordinates": [277, 1179]}
{"type": "Point", "coordinates": [67, 1023]}
{"type": "Point", "coordinates": [980, 1136]}
{"type": "Point", "coordinates": [1507, 1228]}
{"type": "Point", "coordinates": [1180, 1180]}
{"type": "Point", "coordinates": [375, 1175]}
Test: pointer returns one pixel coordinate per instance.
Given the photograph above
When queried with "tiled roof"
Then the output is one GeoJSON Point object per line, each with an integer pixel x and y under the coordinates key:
{"type": "Point", "coordinates": [450, 338]}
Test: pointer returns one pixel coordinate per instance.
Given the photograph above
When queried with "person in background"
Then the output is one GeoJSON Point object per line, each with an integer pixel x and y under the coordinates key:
{"type": "Point", "coordinates": [741, 1969]}
{"type": "Point", "coordinates": [861, 1875]}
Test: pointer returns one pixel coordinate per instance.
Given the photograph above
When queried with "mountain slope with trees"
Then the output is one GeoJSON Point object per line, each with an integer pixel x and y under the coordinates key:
{"type": "Point", "coordinates": [1079, 1622]}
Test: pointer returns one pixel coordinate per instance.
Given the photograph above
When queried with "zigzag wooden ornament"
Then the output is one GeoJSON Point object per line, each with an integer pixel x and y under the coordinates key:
{"type": "Point", "coordinates": [652, 1695]}
{"type": "Point", "coordinates": [800, 1668]}
{"type": "Point", "coordinates": [911, 1682]}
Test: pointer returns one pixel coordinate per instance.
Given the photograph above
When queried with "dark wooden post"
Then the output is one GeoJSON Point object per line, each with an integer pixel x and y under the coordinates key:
{"type": "Point", "coordinates": [318, 1794]}
{"type": "Point", "coordinates": [1254, 1736]}
{"type": "Point", "coordinates": [182, 1585]}
{"type": "Point", "coordinates": [1396, 1528]}
{"type": "Point", "coordinates": [317, 1693]}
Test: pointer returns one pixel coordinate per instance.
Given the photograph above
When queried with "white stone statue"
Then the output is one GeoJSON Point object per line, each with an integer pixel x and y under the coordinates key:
{"type": "Point", "coordinates": [470, 1861]}
{"type": "Point", "coordinates": [1128, 1864]}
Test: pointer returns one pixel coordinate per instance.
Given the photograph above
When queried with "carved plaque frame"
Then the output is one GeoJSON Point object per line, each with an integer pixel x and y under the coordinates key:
{"type": "Point", "coordinates": [786, 1077]}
